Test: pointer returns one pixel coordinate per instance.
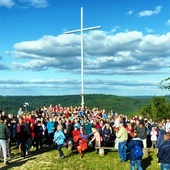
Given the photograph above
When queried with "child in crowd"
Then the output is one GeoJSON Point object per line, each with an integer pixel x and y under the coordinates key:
{"type": "Point", "coordinates": [154, 137]}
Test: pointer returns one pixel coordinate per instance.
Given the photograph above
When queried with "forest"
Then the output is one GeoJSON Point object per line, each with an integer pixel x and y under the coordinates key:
{"type": "Point", "coordinates": [149, 106]}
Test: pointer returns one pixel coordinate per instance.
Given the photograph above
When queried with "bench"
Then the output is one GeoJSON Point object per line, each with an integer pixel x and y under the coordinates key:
{"type": "Point", "coordinates": [102, 148]}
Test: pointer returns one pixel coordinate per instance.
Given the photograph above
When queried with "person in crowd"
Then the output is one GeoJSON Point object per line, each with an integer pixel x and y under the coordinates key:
{"type": "Point", "coordinates": [32, 136]}
{"type": "Point", "coordinates": [76, 123]}
{"type": "Point", "coordinates": [130, 130]}
{"type": "Point", "coordinates": [149, 124]}
{"type": "Point", "coordinates": [167, 125]}
{"type": "Point", "coordinates": [88, 128]}
{"type": "Point", "coordinates": [38, 130]}
{"type": "Point", "coordinates": [142, 133]}
{"type": "Point", "coordinates": [4, 115]}
{"type": "Point", "coordinates": [20, 111]}
{"type": "Point", "coordinates": [122, 136]}
{"type": "Point", "coordinates": [50, 130]}
{"type": "Point", "coordinates": [141, 119]}
{"type": "Point", "coordinates": [81, 143]}
{"type": "Point", "coordinates": [96, 125]}
{"type": "Point", "coordinates": [154, 137]}
{"type": "Point", "coordinates": [75, 134]}
{"type": "Point", "coordinates": [106, 134]}
{"type": "Point", "coordinates": [164, 153]}
{"type": "Point", "coordinates": [4, 136]}
{"type": "Point", "coordinates": [14, 130]}
{"type": "Point", "coordinates": [117, 121]}
{"type": "Point", "coordinates": [102, 123]}
{"type": "Point", "coordinates": [44, 129]}
{"type": "Point", "coordinates": [23, 133]}
{"type": "Point", "coordinates": [160, 139]}
{"type": "Point", "coordinates": [135, 160]}
{"type": "Point", "coordinates": [68, 126]}
{"type": "Point", "coordinates": [9, 122]}
{"type": "Point", "coordinates": [97, 138]}
{"type": "Point", "coordinates": [104, 114]}
{"type": "Point", "coordinates": [136, 123]}
{"type": "Point", "coordinates": [59, 139]}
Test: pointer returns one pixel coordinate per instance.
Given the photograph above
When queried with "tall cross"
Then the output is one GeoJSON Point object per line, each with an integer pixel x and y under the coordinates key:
{"type": "Point", "coordinates": [82, 52]}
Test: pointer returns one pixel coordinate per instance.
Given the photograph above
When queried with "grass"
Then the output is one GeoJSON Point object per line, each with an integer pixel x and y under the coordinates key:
{"type": "Point", "coordinates": [48, 160]}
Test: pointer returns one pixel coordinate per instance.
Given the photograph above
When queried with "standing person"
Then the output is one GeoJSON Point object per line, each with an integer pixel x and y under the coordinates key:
{"type": "Point", "coordinates": [38, 135]}
{"type": "Point", "coordinates": [154, 137]}
{"type": "Point", "coordinates": [160, 141]}
{"type": "Point", "coordinates": [4, 135]}
{"type": "Point", "coordinates": [59, 139]}
{"type": "Point", "coordinates": [122, 137]}
{"type": "Point", "coordinates": [134, 158]}
{"type": "Point", "coordinates": [20, 111]}
{"type": "Point", "coordinates": [23, 133]}
{"type": "Point", "coordinates": [142, 133]}
{"type": "Point", "coordinates": [167, 125]}
{"type": "Point", "coordinates": [164, 153]}
{"type": "Point", "coordinates": [97, 138]}
{"type": "Point", "coordinates": [130, 130]}
{"type": "Point", "coordinates": [50, 130]}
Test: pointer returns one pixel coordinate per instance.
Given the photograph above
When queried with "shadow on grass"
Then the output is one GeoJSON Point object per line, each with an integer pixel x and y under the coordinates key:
{"type": "Point", "coordinates": [17, 160]}
{"type": "Point", "coordinates": [146, 162]}
{"type": "Point", "coordinates": [17, 163]}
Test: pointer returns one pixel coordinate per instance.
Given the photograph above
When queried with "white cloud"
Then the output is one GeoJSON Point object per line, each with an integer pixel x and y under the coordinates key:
{"type": "Point", "coordinates": [36, 3]}
{"type": "Point", "coordinates": [168, 22]}
{"type": "Point", "coordinates": [7, 3]}
{"type": "Point", "coordinates": [114, 29]}
{"type": "Point", "coordinates": [24, 3]}
{"type": "Point", "coordinates": [128, 52]}
{"type": "Point", "coordinates": [129, 13]}
{"type": "Point", "coordinates": [149, 30]}
{"type": "Point", "coordinates": [150, 12]}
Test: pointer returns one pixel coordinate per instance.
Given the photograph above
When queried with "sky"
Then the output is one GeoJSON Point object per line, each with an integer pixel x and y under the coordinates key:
{"type": "Point", "coordinates": [129, 55]}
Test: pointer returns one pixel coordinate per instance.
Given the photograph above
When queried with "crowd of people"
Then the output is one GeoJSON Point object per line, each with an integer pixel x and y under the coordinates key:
{"type": "Point", "coordinates": [82, 128]}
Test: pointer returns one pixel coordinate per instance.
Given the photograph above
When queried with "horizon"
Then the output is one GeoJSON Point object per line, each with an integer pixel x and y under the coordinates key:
{"type": "Point", "coordinates": [84, 95]}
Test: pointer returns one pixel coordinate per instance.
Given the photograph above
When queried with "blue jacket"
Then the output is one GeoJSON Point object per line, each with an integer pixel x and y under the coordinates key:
{"type": "Point", "coordinates": [59, 137]}
{"type": "Point", "coordinates": [131, 147]}
{"type": "Point", "coordinates": [160, 140]}
{"type": "Point", "coordinates": [164, 152]}
{"type": "Point", "coordinates": [50, 127]}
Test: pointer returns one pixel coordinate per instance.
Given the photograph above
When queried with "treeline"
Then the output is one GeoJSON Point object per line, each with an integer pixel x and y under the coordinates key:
{"type": "Point", "coordinates": [121, 105]}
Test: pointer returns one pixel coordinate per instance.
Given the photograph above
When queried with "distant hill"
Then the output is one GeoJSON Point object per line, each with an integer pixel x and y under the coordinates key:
{"type": "Point", "coordinates": [124, 105]}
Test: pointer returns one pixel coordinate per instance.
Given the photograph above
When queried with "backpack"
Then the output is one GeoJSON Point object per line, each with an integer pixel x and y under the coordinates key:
{"type": "Point", "coordinates": [138, 151]}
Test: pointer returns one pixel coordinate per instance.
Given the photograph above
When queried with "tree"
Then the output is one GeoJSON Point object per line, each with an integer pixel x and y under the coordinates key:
{"type": "Point", "coordinates": [153, 110]}
{"type": "Point", "coordinates": [166, 83]}
{"type": "Point", "coordinates": [158, 108]}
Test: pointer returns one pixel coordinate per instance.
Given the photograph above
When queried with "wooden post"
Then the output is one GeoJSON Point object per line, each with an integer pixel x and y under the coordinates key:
{"type": "Point", "coordinates": [101, 151]}
{"type": "Point", "coordinates": [145, 152]}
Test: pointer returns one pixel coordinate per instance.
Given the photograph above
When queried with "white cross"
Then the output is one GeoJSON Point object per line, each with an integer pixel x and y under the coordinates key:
{"type": "Point", "coordinates": [82, 64]}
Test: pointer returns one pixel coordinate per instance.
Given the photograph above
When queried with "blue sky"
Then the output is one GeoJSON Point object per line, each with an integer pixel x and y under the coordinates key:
{"type": "Point", "coordinates": [128, 56]}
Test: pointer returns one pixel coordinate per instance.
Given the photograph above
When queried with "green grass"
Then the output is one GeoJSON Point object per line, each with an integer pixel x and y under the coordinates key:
{"type": "Point", "coordinates": [48, 160]}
